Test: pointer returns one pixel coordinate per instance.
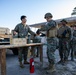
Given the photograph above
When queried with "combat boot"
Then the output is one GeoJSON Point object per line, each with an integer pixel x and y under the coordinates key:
{"type": "Point", "coordinates": [65, 60]}
{"type": "Point", "coordinates": [26, 62]}
{"type": "Point", "coordinates": [72, 59]}
{"type": "Point", "coordinates": [47, 68]}
{"type": "Point", "coordinates": [52, 69]}
{"type": "Point", "coordinates": [21, 65]}
{"type": "Point", "coordinates": [61, 61]}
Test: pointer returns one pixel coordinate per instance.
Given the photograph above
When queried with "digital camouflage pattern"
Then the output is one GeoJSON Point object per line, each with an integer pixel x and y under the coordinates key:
{"type": "Point", "coordinates": [37, 39]}
{"type": "Point", "coordinates": [48, 26]}
{"type": "Point", "coordinates": [73, 44]}
{"type": "Point", "coordinates": [23, 31]}
{"type": "Point", "coordinates": [51, 48]}
{"type": "Point", "coordinates": [64, 35]}
{"type": "Point", "coordinates": [51, 42]}
{"type": "Point", "coordinates": [23, 51]}
{"type": "Point", "coordinates": [63, 49]}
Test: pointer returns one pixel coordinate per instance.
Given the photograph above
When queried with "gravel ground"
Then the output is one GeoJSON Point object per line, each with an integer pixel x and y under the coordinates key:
{"type": "Point", "coordinates": [13, 66]}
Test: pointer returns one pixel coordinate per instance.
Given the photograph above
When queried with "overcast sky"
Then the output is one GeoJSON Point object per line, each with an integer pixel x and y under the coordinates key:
{"type": "Point", "coordinates": [11, 10]}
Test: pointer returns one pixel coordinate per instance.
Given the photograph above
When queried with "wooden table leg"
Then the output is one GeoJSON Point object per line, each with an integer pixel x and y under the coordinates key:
{"type": "Point", "coordinates": [3, 61]}
{"type": "Point", "coordinates": [41, 54]}
{"type": "Point", "coordinates": [0, 62]}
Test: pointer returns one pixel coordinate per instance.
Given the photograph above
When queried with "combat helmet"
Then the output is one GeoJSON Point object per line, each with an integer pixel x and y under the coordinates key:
{"type": "Point", "coordinates": [48, 15]}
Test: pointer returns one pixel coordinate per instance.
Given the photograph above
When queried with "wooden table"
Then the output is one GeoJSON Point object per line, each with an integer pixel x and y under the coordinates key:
{"type": "Point", "coordinates": [3, 54]}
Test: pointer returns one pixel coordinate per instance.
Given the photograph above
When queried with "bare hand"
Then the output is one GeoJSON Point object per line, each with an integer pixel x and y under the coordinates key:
{"type": "Point", "coordinates": [15, 33]}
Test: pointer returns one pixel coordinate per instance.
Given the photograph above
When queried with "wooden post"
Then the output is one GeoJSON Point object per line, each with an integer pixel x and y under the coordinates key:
{"type": "Point", "coordinates": [0, 69]}
{"type": "Point", "coordinates": [3, 61]}
{"type": "Point", "coordinates": [0, 62]}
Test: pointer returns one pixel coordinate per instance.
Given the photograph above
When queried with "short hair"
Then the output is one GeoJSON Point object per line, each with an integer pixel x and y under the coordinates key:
{"type": "Point", "coordinates": [38, 32]}
{"type": "Point", "coordinates": [22, 17]}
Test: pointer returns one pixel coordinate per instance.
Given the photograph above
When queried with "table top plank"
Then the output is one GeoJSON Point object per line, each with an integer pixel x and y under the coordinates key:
{"type": "Point", "coordinates": [26, 45]}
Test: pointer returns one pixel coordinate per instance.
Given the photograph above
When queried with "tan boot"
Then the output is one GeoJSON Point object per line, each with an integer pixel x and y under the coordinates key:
{"type": "Point", "coordinates": [52, 69]}
{"type": "Point", "coordinates": [21, 65]}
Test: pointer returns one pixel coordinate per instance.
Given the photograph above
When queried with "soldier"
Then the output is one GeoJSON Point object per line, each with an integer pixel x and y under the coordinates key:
{"type": "Point", "coordinates": [64, 35]}
{"type": "Point", "coordinates": [73, 43]}
{"type": "Point", "coordinates": [37, 39]}
{"type": "Point", "coordinates": [51, 29]}
{"type": "Point", "coordinates": [22, 30]}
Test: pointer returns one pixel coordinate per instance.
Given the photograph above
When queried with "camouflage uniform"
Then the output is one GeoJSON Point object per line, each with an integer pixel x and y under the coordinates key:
{"type": "Point", "coordinates": [51, 47]}
{"type": "Point", "coordinates": [73, 45]}
{"type": "Point", "coordinates": [23, 33]}
{"type": "Point", "coordinates": [64, 35]}
{"type": "Point", "coordinates": [51, 41]}
{"type": "Point", "coordinates": [37, 39]}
